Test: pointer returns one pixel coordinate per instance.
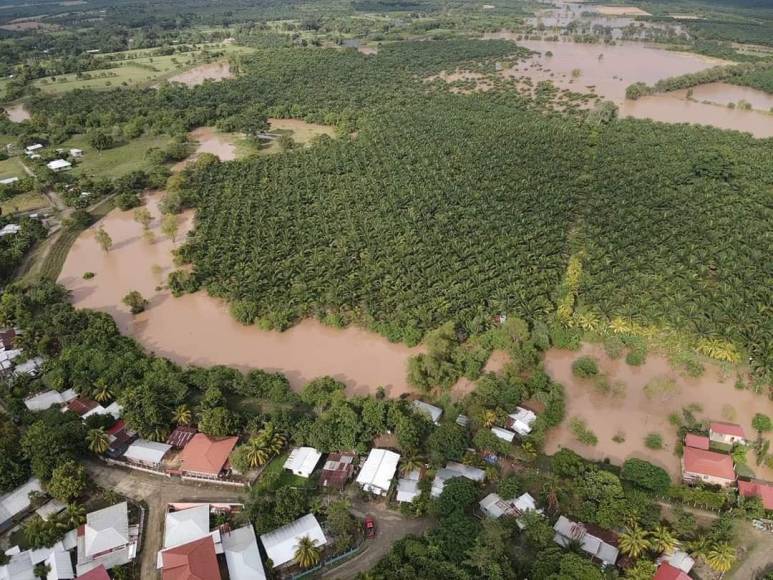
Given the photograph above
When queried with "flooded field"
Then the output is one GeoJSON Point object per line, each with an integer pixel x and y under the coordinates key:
{"type": "Point", "coordinates": [17, 113]}
{"type": "Point", "coordinates": [216, 71]}
{"type": "Point", "coordinates": [197, 329]}
{"type": "Point", "coordinates": [633, 415]}
{"type": "Point", "coordinates": [209, 141]}
{"type": "Point", "coordinates": [725, 94]}
{"type": "Point", "coordinates": [607, 71]}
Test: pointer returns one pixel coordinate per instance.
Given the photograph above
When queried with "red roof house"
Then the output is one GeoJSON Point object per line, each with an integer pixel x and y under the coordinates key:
{"type": "Point", "coordinates": [759, 489]}
{"type": "Point", "coordinates": [98, 573]}
{"type": "Point", "coordinates": [697, 441]}
{"type": "Point", "coordinates": [727, 433]}
{"type": "Point", "coordinates": [81, 406]}
{"type": "Point", "coordinates": [7, 338]}
{"type": "Point", "coordinates": [205, 456]}
{"type": "Point", "coordinates": [192, 561]}
{"type": "Point", "coordinates": [668, 572]}
{"type": "Point", "coordinates": [699, 465]}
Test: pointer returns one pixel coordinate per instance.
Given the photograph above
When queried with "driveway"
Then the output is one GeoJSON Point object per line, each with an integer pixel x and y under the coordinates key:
{"type": "Point", "coordinates": [157, 492]}
{"type": "Point", "coordinates": [391, 527]}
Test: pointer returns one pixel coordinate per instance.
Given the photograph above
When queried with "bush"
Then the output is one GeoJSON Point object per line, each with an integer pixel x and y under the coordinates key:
{"type": "Point", "coordinates": [509, 487]}
{"type": "Point", "coordinates": [244, 311]}
{"type": "Point", "coordinates": [135, 301]}
{"type": "Point", "coordinates": [582, 433]}
{"type": "Point", "coordinates": [458, 494]}
{"type": "Point", "coordinates": [585, 367]}
{"type": "Point", "coordinates": [761, 423]}
{"type": "Point", "coordinates": [567, 463]}
{"type": "Point", "coordinates": [613, 346]}
{"type": "Point", "coordinates": [654, 441]}
{"type": "Point", "coordinates": [645, 475]}
{"type": "Point", "coordinates": [88, 275]}
{"type": "Point", "coordinates": [636, 358]}
{"type": "Point", "coordinates": [80, 219]}
{"type": "Point", "coordinates": [127, 200]}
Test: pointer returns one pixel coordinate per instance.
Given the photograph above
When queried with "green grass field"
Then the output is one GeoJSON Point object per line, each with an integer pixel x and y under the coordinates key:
{"type": "Point", "coordinates": [23, 202]}
{"type": "Point", "coordinates": [11, 168]}
{"type": "Point", "coordinates": [114, 162]}
{"type": "Point", "coordinates": [133, 72]}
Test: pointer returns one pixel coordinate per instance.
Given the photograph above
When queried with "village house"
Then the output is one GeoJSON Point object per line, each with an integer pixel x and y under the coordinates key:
{"type": "Point", "coordinates": [48, 399]}
{"type": "Point", "coordinates": [432, 412]}
{"type": "Point", "coordinates": [29, 367]}
{"type": "Point", "coordinates": [120, 438]}
{"type": "Point", "coordinates": [454, 469]}
{"type": "Point", "coordinates": [493, 506]}
{"type": "Point", "coordinates": [107, 539]}
{"type": "Point", "coordinates": [760, 489]}
{"type": "Point", "coordinates": [58, 165]}
{"type": "Point", "coordinates": [76, 153]}
{"type": "Point", "coordinates": [242, 554]}
{"type": "Point", "coordinates": [9, 180]}
{"type": "Point", "coordinates": [503, 434]}
{"type": "Point", "coordinates": [181, 436]}
{"type": "Point", "coordinates": [194, 560]}
{"type": "Point", "coordinates": [408, 487]}
{"type": "Point", "coordinates": [338, 470]}
{"type": "Point", "coordinates": [668, 572]}
{"type": "Point", "coordinates": [678, 559]}
{"type": "Point", "coordinates": [98, 573]}
{"type": "Point", "coordinates": [726, 433]}
{"type": "Point", "coordinates": [702, 466]}
{"type": "Point", "coordinates": [33, 149]}
{"type": "Point", "coordinates": [146, 453]}
{"type": "Point", "coordinates": [697, 441]}
{"type": "Point", "coordinates": [205, 457]}
{"type": "Point", "coordinates": [16, 504]}
{"type": "Point", "coordinates": [603, 549]}
{"type": "Point", "coordinates": [185, 525]}
{"type": "Point", "coordinates": [9, 230]}
{"type": "Point", "coordinates": [378, 471]}
{"type": "Point", "coordinates": [280, 544]}
{"type": "Point", "coordinates": [302, 461]}
{"type": "Point", "coordinates": [521, 421]}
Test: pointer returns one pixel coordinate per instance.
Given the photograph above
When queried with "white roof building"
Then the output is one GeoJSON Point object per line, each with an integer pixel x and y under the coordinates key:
{"type": "Point", "coordinates": [76, 152]}
{"type": "Point", "coordinates": [30, 367]}
{"type": "Point", "coordinates": [9, 230]}
{"type": "Point", "coordinates": [568, 531]}
{"type": "Point", "coordinates": [33, 148]}
{"type": "Point", "coordinates": [47, 399]}
{"type": "Point", "coordinates": [20, 567]}
{"type": "Point", "coordinates": [50, 508]}
{"type": "Point", "coordinates": [242, 555]}
{"type": "Point", "coordinates": [503, 434]}
{"type": "Point", "coordinates": [107, 529]}
{"type": "Point", "coordinates": [186, 525]}
{"type": "Point", "coordinates": [280, 545]}
{"type": "Point", "coordinates": [408, 487]}
{"type": "Point", "coordinates": [679, 559]}
{"type": "Point", "coordinates": [17, 501]}
{"type": "Point", "coordinates": [434, 413]}
{"type": "Point", "coordinates": [8, 180]}
{"type": "Point", "coordinates": [454, 469]}
{"type": "Point", "coordinates": [302, 461]}
{"type": "Point", "coordinates": [113, 409]}
{"type": "Point", "coordinates": [521, 421]}
{"type": "Point", "coordinates": [147, 452]}
{"type": "Point", "coordinates": [60, 566]}
{"type": "Point", "coordinates": [59, 165]}
{"type": "Point", "coordinates": [378, 471]}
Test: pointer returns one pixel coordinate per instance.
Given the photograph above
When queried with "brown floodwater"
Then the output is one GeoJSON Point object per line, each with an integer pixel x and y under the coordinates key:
{"type": "Point", "coordinates": [17, 113]}
{"type": "Point", "coordinates": [635, 415]}
{"type": "Point", "coordinates": [725, 93]}
{"type": "Point", "coordinates": [198, 329]}
{"type": "Point", "coordinates": [209, 140]}
{"type": "Point", "coordinates": [215, 71]}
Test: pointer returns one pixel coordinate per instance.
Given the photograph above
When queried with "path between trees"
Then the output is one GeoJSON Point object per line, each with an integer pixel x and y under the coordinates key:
{"type": "Point", "coordinates": [390, 526]}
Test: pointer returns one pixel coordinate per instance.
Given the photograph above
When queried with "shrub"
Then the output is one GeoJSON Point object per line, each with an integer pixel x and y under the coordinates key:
{"type": "Point", "coordinates": [619, 437]}
{"type": "Point", "coordinates": [762, 423]}
{"type": "Point", "coordinates": [645, 475]}
{"type": "Point", "coordinates": [88, 275]}
{"type": "Point", "coordinates": [582, 433]}
{"type": "Point", "coordinates": [509, 487]}
{"type": "Point", "coordinates": [661, 388]}
{"type": "Point", "coordinates": [135, 301]}
{"type": "Point", "coordinates": [654, 441]}
{"type": "Point", "coordinates": [244, 311]}
{"type": "Point", "coordinates": [567, 463]}
{"type": "Point", "coordinates": [613, 346]}
{"type": "Point", "coordinates": [585, 367]}
{"type": "Point", "coordinates": [636, 358]}
{"type": "Point", "coordinates": [127, 200]}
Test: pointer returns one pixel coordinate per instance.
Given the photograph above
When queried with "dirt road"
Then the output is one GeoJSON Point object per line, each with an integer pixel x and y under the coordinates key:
{"type": "Point", "coordinates": [156, 492]}
{"type": "Point", "coordinates": [391, 527]}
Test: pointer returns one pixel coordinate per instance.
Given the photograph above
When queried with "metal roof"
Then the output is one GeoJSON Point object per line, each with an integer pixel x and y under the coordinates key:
{"type": "Point", "coordinates": [107, 529]}
{"type": "Point", "coordinates": [378, 470]}
{"type": "Point", "coordinates": [242, 554]}
{"type": "Point", "coordinates": [303, 460]}
{"type": "Point", "coordinates": [15, 502]}
{"type": "Point", "coordinates": [146, 451]}
{"type": "Point", "coordinates": [186, 525]}
{"type": "Point", "coordinates": [280, 545]}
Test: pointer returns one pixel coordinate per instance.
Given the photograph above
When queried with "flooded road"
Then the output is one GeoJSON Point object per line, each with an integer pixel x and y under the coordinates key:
{"type": "Point", "coordinates": [197, 329]}
{"type": "Point", "coordinates": [215, 71]}
{"type": "Point", "coordinates": [635, 415]}
{"type": "Point", "coordinates": [17, 113]}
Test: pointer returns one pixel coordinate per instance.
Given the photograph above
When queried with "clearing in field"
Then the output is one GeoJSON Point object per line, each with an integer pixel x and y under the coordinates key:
{"type": "Point", "coordinates": [11, 167]}
{"type": "Point", "coordinates": [621, 11]}
{"type": "Point", "coordinates": [22, 203]}
{"type": "Point", "coordinates": [117, 161]}
{"type": "Point", "coordinates": [639, 406]}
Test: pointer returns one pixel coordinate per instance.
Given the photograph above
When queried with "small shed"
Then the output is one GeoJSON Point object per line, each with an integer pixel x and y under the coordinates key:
{"type": "Point", "coordinates": [408, 487]}
{"type": "Point", "coordinates": [146, 453]}
{"type": "Point", "coordinates": [58, 165]}
{"type": "Point", "coordinates": [431, 411]}
{"type": "Point", "coordinates": [503, 434]}
{"type": "Point", "coordinates": [302, 461]}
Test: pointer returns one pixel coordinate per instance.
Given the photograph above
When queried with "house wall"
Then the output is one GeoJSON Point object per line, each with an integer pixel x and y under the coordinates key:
{"type": "Point", "coordinates": [690, 477]}
{"type": "Point", "coordinates": [726, 439]}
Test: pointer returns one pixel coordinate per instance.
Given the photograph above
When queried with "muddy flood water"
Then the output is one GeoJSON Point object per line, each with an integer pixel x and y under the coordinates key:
{"type": "Point", "coordinates": [17, 113]}
{"type": "Point", "coordinates": [197, 329]}
{"type": "Point", "coordinates": [608, 70]}
{"type": "Point", "coordinates": [634, 415]}
{"type": "Point", "coordinates": [209, 141]}
{"type": "Point", "coordinates": [215, 71]}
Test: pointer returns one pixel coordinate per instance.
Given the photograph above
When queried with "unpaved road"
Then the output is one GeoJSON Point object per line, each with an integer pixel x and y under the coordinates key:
{"type": "Point", "coordinates": [157, 492]}
{"type": "Point", "coordinates": [391, 527]}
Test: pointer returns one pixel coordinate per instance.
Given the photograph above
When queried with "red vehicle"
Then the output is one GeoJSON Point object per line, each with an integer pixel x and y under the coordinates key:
{"type": "Point", "coordinates": [370, 527]}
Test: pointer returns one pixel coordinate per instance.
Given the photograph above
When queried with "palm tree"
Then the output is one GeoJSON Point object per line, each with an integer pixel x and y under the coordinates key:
{"type": "Point", "coordinates": [489, 418]}
{"type": "Point", "coordinates": [256, 453]}
{"type": "Point", "coordinates": [103, 393]}
{"type": "Point", "coordinates": [633, 542]}
{"type": "Point", "coordinates": [159, 434]}
{"type": "Point", "coordinates": [98, 441]}
{"type": "Point", "coordinates": [307, 554]}
{"type": "Point", "coordinates": [182, 415]}
{"type": "Point", "coordinates": [73, 516]}
{"type": "Point", "coordinates": [663, 540]}
{"type": "Point", "coordinates": [272, 440]}
{"type": "Point", "coordinates": [721, 557]}
{"type": "Point", "coordinates": [411, 463]}
{"type": "Point", "coordinates": [699, 548]}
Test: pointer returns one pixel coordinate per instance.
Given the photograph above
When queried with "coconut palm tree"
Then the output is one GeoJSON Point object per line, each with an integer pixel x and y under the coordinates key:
{"type": "Point", "coordinates": [699, 547]}
{"type": "Point", "coordinates": [159, 434]}
{"type": "Point", "coordinates": [489, 418]}
{"type": "Point", "coordinates": [307, 554]}
{"type": "Point", "coordinates": [273, 441]}
{"type": "Point", "coordinates": [634, 541]}
{"type": "Point", "coordinates": [103, 393]}
{"type": "Point", "coordinates": [721, 557]}
{"type": "Point", "coordinates": [256, 453]}
{"type": "Point", "coordinates": [72, 517]}
{"type": "Point", "coordinates": [182, 415]}
{"type": "Point", "coordinates": [411, 463]}
{"type": "Point", "coordinates": [663, 540]}
{"type": "Point", "coordinates": [98, 441]}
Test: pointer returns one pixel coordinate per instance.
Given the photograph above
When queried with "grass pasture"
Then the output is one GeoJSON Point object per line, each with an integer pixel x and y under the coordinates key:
{"type": "Point", "coordinates": [117, 161]}
{"type": "Point", "coordinates": [22, 203]}
{"type": "Point", "coordinates": [11, 167]}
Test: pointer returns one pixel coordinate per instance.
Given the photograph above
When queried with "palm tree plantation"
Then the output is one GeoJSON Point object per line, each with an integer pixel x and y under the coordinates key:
{"type": "Point", "coordinates": [376, 289]}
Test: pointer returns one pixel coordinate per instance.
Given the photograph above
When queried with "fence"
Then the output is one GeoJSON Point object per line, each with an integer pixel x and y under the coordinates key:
{"type": "Point", "coordinates": [329, 562]}
{"type": "Point", "coordinates": [136, 467]}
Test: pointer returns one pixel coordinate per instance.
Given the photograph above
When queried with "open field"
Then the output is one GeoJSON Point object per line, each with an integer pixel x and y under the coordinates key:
{"type": "Point", "coordinates": [135, 71]}
{"type": "Point", "coordinates": [22, 203]}
{"type": "Point", "coordinates": [636, 412]}
{"type": "Point", "coordinates": [117, 161]}
{"type": "Point", "coordinates": [11, 167]}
